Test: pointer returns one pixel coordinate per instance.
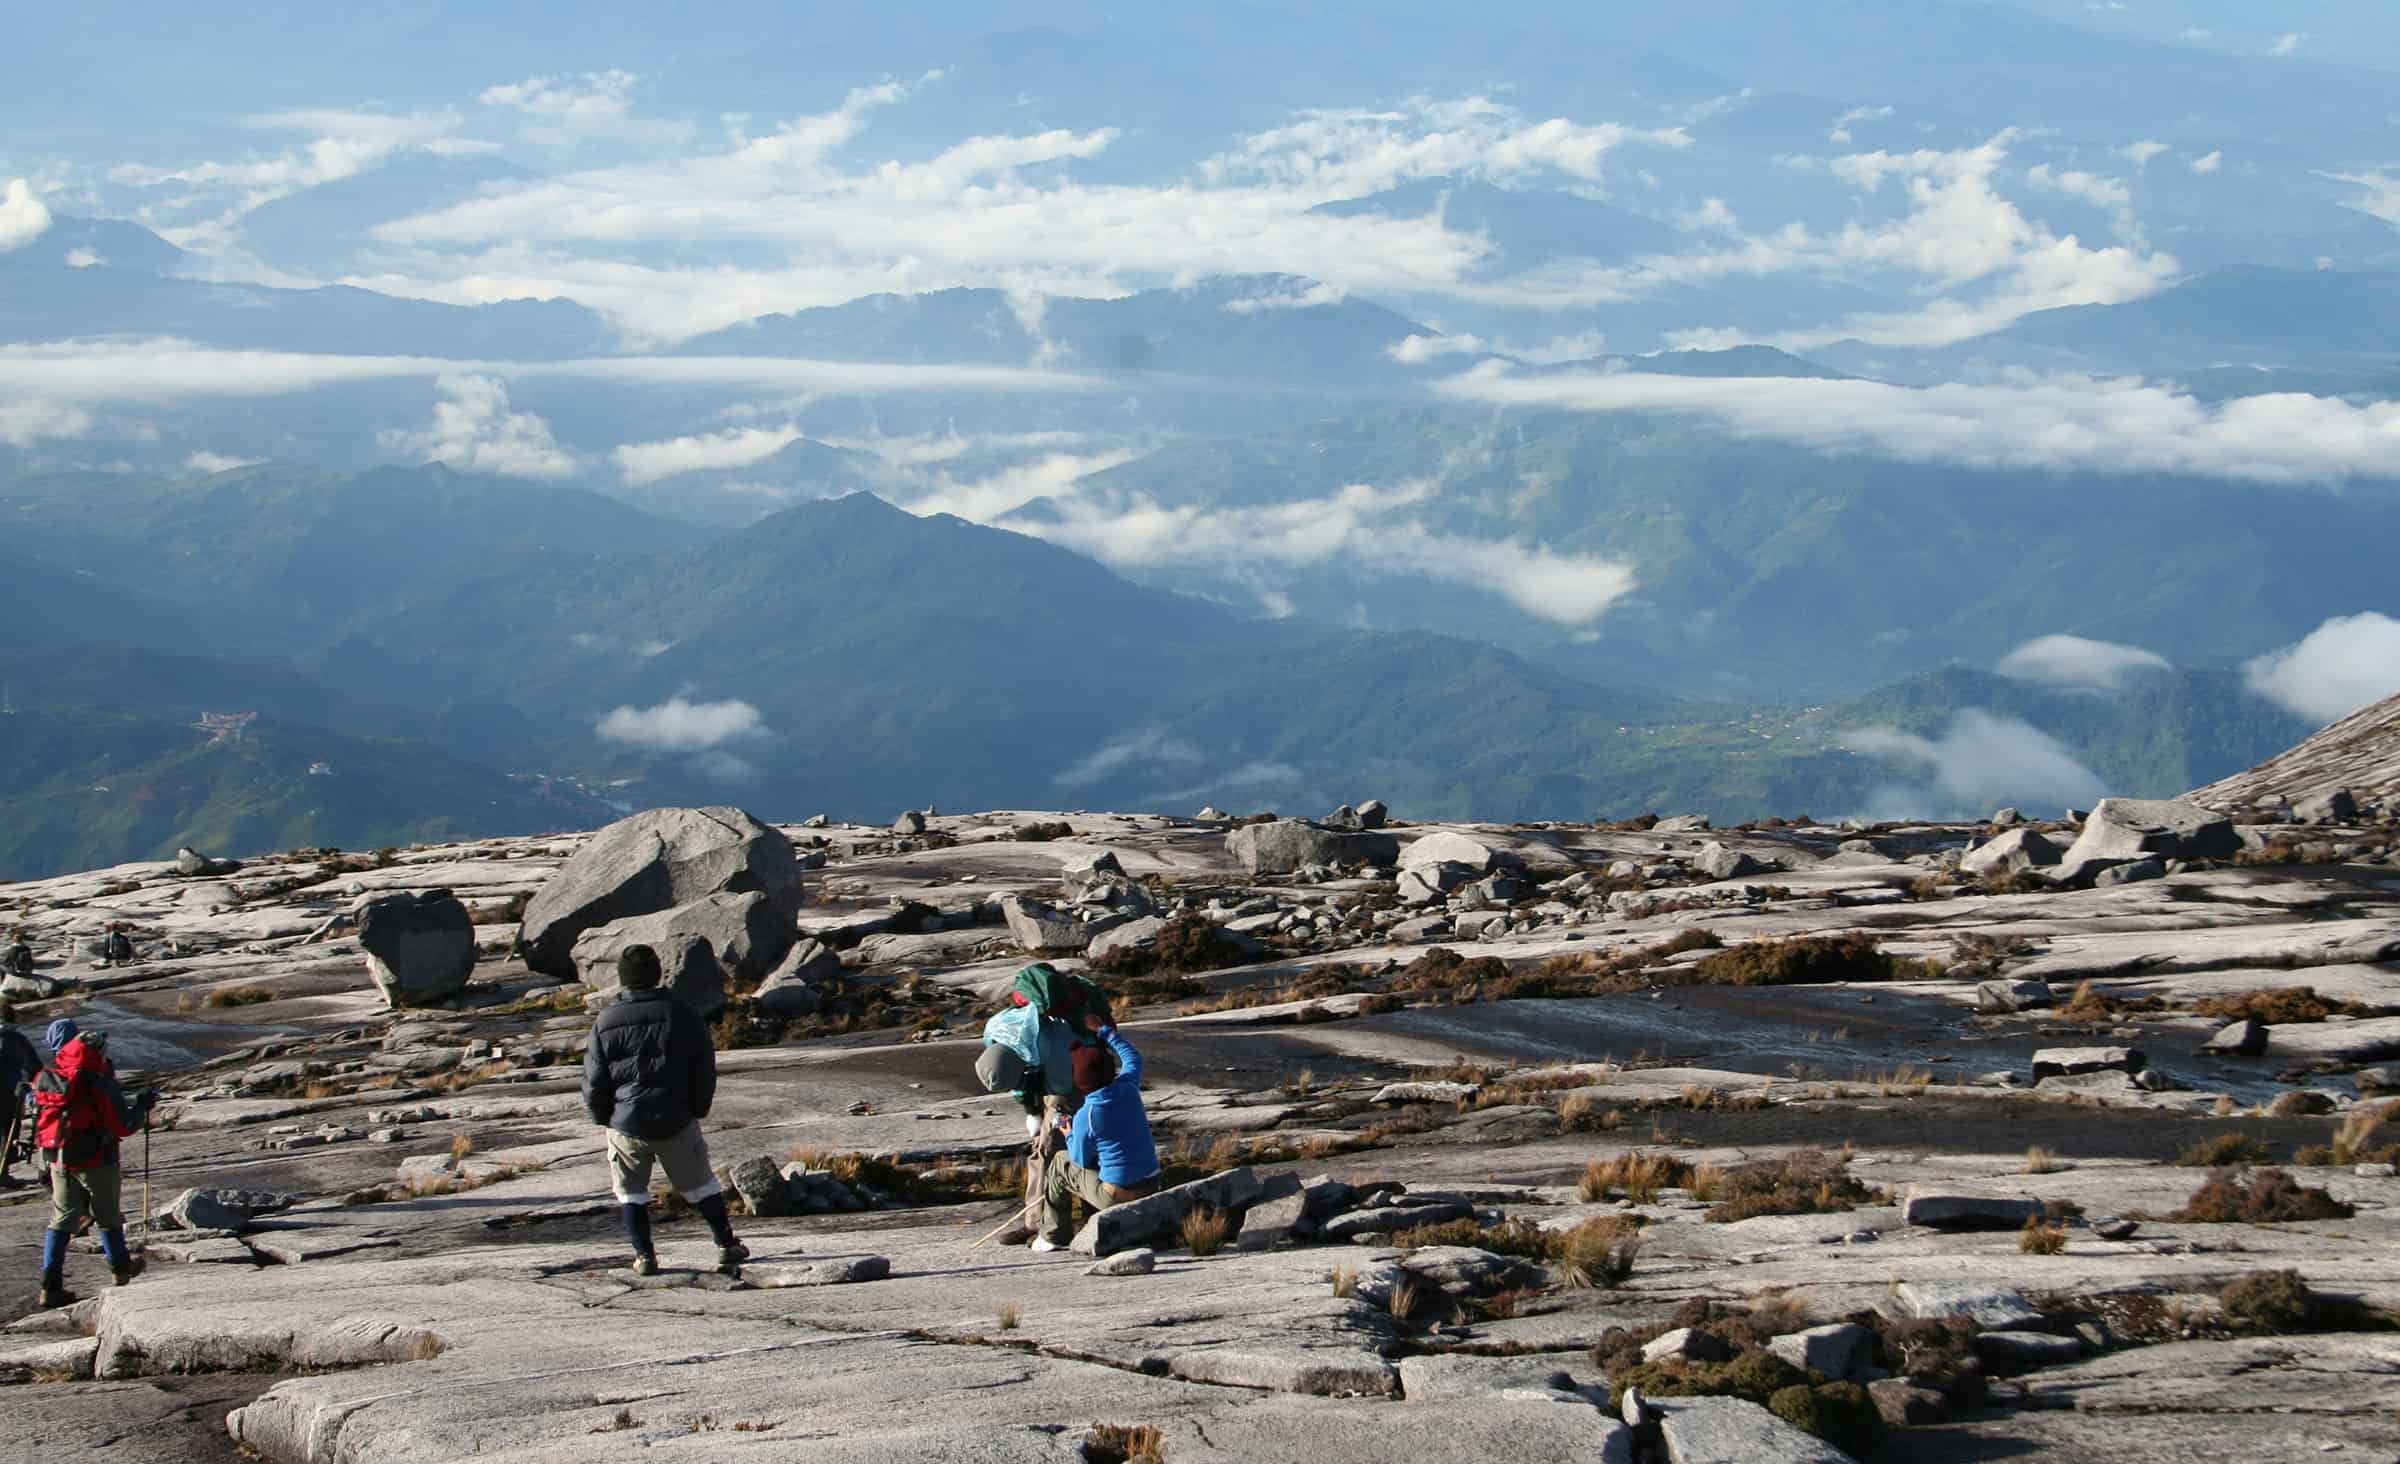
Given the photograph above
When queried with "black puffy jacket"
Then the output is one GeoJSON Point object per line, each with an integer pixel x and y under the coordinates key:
{"type": "Point", "coordinates": [649, 1069]}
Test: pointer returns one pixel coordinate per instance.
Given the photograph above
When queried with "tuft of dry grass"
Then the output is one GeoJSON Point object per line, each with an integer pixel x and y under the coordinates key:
{"type": "Point", "coordinates": [1009, 1315]}
{"type": "Point", "coordinates": [1639, 1174]}
{"type": "Point", "coordinates": [1345, 1280]}
{"type": "Point", "coordinates": [1205, 1231]}
{"type": "Point", "coordinates": [461, 1145]}
{"type": "Point", "coordinates": [1404, 1300]}
{"type": "Point", "coordinates": [618, 1422]}
{"type": "Point", "coordinates": [2275, 1005]}
{"type": "Point", "coordinates": [223, 997]}
{"type": "Point", "coordinates": [2037, 1239]}
{"type": "Point", "coordinates": [1110, 1443]}
{"type": "Point", "coordinates": [2360, 1138]}
{"type": "Point", "coordinates": [1803, 1182]}
{"type": "Point", "coordinates": [2090, 1004]}
{"type": "Point", "coordinates": [2039, 1160]}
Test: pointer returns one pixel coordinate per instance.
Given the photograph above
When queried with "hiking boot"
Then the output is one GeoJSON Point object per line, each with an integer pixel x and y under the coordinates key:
{"type": "Point", "coordinates": [134, 1266]}
{"type": "Point", "coordinates": [1045, 1244]}
{"type": "Point", "coordinates": [54, 1296]}
{"type": "Point", "coordinates": [730, 1258]}
{"type": "Point", "coordinates": [645, 1265]}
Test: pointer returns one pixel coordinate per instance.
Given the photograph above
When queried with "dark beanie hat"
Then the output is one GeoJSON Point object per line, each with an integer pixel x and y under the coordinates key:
{"type": "Point", "coordinates": [637, 968]}
{"type": "Point", "coordinates": [1095, 1067]}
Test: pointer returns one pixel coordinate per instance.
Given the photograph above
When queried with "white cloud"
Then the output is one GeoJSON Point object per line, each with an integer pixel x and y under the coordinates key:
{"type": "Point", "coordinates": [991, 498]}
{"type": "Point", "coordinates": [23, 217]}
{"type": "Point", "coordinates": [2287, 44]}
{"type": "Point", "coordinates": [2063, 423]}
{"type": "Point", "coordinates": [735, 447]}
{"type": "Point", "coordinates": [2092, 188]}
{"type": "Point", "coordinates": [1979, 762]}
{"type": "Point", "coordinates": [1418, 349]}
{"type": "Point", "coordinates": [1295, 295]}
{"type": "Point", "coordinates": [1343, 153]}
{"type": "Point", "coordinates": [561, 111]}
{"type": "Point", "coordinates": [1368, 530]}
{"type": "Point", "coordinates": [2208, 163]}
{"type": "Point", "coordinates": [2140, 153]}
{"type": "Point", "coordinates": [82, 258]}
{"type": "Point", "coordinates": [474, 431]}
{"type": "Point", "coordinates": [1152, 747]}
{"type": "Point", "coordinates": [345, 144]}
{"type": "Point", "coordinates": [28, 419]}
{"type": "Point", "coordinates": [1841, 130]}
{"type": "Point", "coordinates": [2382, 197]}
{"type": "Point", "coordinates": [2342, 665]}
{"type": "Point", "coordinates": [159, 370]}
{"type": "Point", "coordinates": [206, 463]}
{"type": "Point", "coordinates": [2195, 34]}
{"type": "Point", "coordinates": [2070, 662]}
{"type": "Point", "coordinates": [1981, 261]}
{"type": "Point", "coordinates": [679, 724]}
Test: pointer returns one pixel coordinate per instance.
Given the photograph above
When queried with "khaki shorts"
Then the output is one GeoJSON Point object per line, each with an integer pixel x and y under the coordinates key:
{"type": "Point", "coordinates": [684, 1157]}
{"type": "Point", "coordinates": [75, 1193]}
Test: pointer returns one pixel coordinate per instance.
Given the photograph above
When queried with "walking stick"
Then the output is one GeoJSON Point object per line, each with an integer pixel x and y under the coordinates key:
{"type": "Point", "coordinates": [146, 1175]}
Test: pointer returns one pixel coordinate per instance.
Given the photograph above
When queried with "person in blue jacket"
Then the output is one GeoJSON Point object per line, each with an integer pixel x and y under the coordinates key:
{"type": "Point", "coordinates": [1109, 1156]}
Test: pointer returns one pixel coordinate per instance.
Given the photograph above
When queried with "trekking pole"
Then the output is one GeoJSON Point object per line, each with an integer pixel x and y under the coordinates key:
{"type": "Point", "coordinates": [145, 1176]}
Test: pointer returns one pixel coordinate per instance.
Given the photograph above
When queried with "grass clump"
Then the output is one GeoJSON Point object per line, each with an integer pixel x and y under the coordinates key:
{"type": "Point", "coordinates": [1839, 1413]}
{"type": "Point", "coordinates": [2090, 1004]}
{"type": "Point", "coordinates": [1345, 1280]}
{"type": "Point", "coordinates": [1110, 1443]}
{"type": "Point", "coordinates": [1803, 1182]}
{"type": "Point", "coordinates": [2269, 1195]}
{"type": "Point", "coordinates": [2222, 1152]}
{"type": "Point", "coordinates": [1753, 1373]}
{"type": "Point", "coordinates": [2039, 1160]}
{"type": "Point", "coordinates": [2038, 1239]}
{"type": "Point", "coordinates": [1042, 833]}
{"type": "Point", "coordinates": [1639, 1176]}
{"type": "Point", "coordinates": [1598, 1252]}
{"type": "Point", "coordinates": [1205, 1231]}
{"type": "Point", "coordinates": [2271, 1301]}
{"type": "Point", "coordinates": [2275, 1006]}
{"type": "Point", "coordinates": [2361, 1138]}
{"type": "Point", "coordinates": [1805, 960]}
{"type": "Point", "coordinates": [1009, 1315]}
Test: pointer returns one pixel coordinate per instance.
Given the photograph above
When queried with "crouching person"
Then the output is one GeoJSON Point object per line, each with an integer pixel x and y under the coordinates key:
{"type": "Point", "coordinates": [1109, 1156]}
{"type": "Point", "coordinates": [81, 1115]}
{"type": "Point", "coordinates": [649, 1077]}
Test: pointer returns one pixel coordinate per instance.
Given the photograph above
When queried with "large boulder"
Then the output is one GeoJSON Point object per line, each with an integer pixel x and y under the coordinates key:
{"type": "Point", "coordinates": [1155, 1218]}
{"type": "Point", "coordinates": [658, 860]}
{"type": "Point", "coordinates": [193, 864]}
{"type": "Point", "coordinates": [688, 968]}
{"type": "Point", "coordinates": [2015, 851]}
{"type": "Point", "coordinates": [1041, 929]}
{"type": "Point", "coordinates": [1445, 847]}
{"type": "Point", "coordinates": [1288, 844]}
{"type": "Point", "coordinates": [748, 934]}
{"type": "Point", "coordinates": [2124, 830]}
{"type": "Point", "coordinates": [420, 946]}
{"type": "Point", "coordinates": [1718, 862]}
{"type": "Point", "coordinates": [791, 988]}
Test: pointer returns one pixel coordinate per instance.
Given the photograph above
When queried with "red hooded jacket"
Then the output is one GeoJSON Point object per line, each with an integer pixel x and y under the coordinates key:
{"type": "Point", "coordinates": [79, 1110]}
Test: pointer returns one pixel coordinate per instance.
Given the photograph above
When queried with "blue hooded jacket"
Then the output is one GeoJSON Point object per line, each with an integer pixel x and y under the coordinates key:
{"type": "Point", "coordinates": [1111, 1136]}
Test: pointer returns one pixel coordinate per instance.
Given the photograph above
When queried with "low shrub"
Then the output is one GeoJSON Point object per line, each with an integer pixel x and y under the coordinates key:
{"type": "Point", "coordinates": [1753, 1373]}
{"type": "Point", "coordinates": [236, 996]}
{"type": "Point", "coordinates": [2271, 1301]}
{"type": "Point", "coordinates": [1598, 1252]}
{"type": "Point", "coordinates": [2275, 1006]}
{"type": "Point", "coordinates": [1190, 942]}
{"type": "Point", "coordinates": [1042, 833]}
{"type": "Point", "coordinates": [2037, 1239]}
{"type": "Point", "coordinates": [2270, 1195]}
{"type": "Point", "coordinates": [1640, 1175]}
{"type": "Point", "coordinates": [2223, 1151]}
{"type": "Point", "coordinates": [1803, 1182]}
{"type": "Point", "coordinates": [1805, 960]}
{"type": "Point", "coordinates": [1839, 1413]}
{"type": "Point", "coordinates": [2090, 1004]}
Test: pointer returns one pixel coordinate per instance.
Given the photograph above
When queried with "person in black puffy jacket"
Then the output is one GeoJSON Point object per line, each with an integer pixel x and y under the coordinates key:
{"type": "Point", "coordinates": [649, 1076]}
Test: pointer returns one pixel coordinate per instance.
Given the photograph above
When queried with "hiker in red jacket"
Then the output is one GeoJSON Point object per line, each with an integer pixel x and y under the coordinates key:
{"type": "Point", "coordinates": [80, 1116]}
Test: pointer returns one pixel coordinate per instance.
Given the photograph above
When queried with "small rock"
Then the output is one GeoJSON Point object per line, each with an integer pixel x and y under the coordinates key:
{"type": "Point", "coordinates": [1836, 1350]}
{"type": "Point", "coordinates": [1904, 1404]}
{"type": "Point", "coordinates": [2245, 1038]}
{"type": "Point", "coordinates": [1996, 997]}
{"type": "Point", "coordinates": [2022, 1351]}
{"type": "Point", "coordinates": [1140, 1261]}
{"type": "Point", "coordinates": [2052, 1062]}
{"type": "Point", "coordinates": [1686, 1344]}
{"type": "Point", "coordinates": [2115, 1227]}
